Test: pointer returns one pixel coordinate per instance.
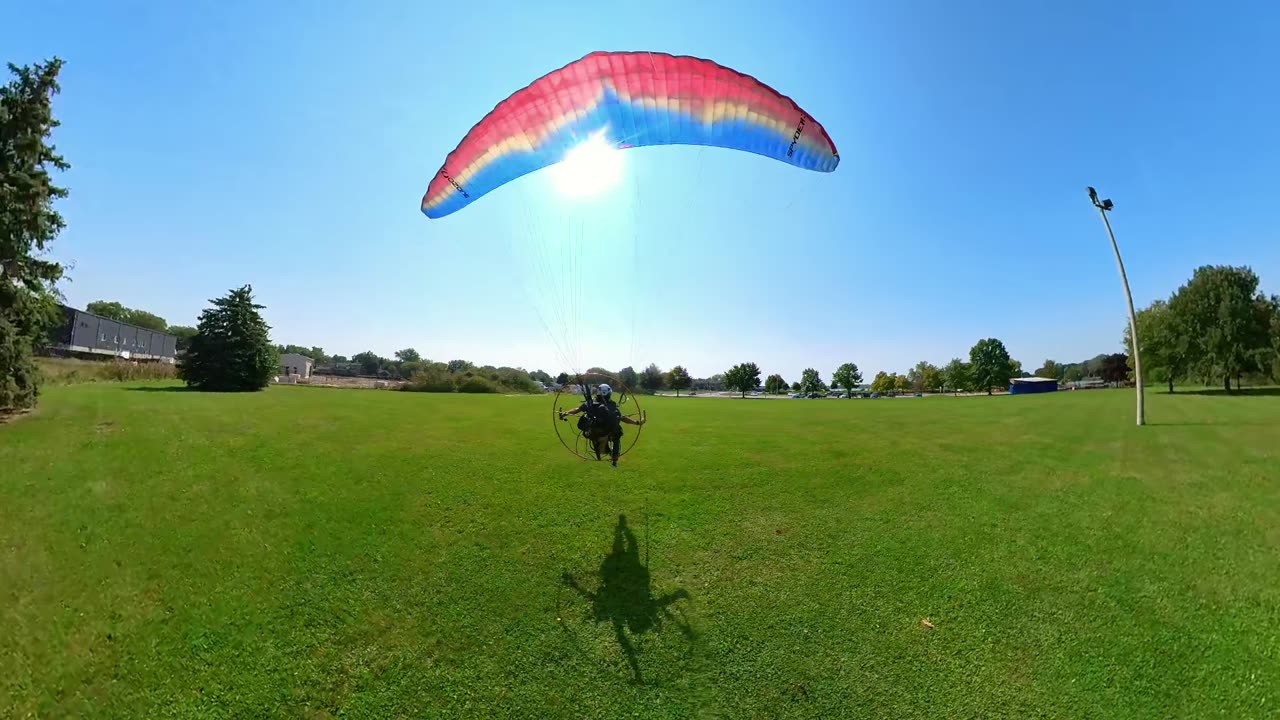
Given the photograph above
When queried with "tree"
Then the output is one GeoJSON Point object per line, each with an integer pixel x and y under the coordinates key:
{"type": "Point", "coordinates": [1275, 338]}
{"type": "Point", "coordinates": [924, 376]}
{"type": "Point", "coordinates": [956, 375]}
{"type": "Point", "coordinates": [339, 359]}
{"type": "Point", "coordinates": [370, 363]}
{"type": "Point", "coordinates": [232, 350]}
{"type": "Point", "coordinates": [408, 355]}
{"type": "Point", "coordinates": [811, 382]}
{"type": "Point", "coordinates": [108, 309]}
{"type": "Point", "coordinates": [715, 383]}
{"type": "Point", "coordinates": [541, 377]}
{"type": "Point", "coordinates": [678, 379]}
{"type": "Point", "coordinates": [1115, 368]}
{"type": "Point", "coordinates": [1093, 366]}
{"type": "Point", "coordinates": [295, 349]}
{"type": "Point", "coordinates": [409, 369]}
{"type": "Point", "coordinates": [775, 385]}
{"type": "Point", "coordinates": [1156, 375]}
{"type": "Point", "coordinates": [915, 377]}
{"type": "Point", "coordinates": [628, 377]}
{"type": "Point", "coordinates": [932, 377]}
{"type": "Point", "coordinates": [454, 366]}
{"type": "Point", "coordinates": [795, 387]}
{"type": "Point", "coordinates": [562, 379]}
{"type": "Point", "coordinates": [1016, 371]}
{"type": "Point", "coordinates": [847, 376]}
{"type": "Point", "coordinates": [1165, 343]}
{"type": "Point", "coordinates": [184, 334]}
{"type": "Point", "coordinates": [28, 225]}
{"type": "Point", "coordinates": [147, 320]}
{"type": "Point", "coordinates": [317, 354]}
{"type": "Point", "coordinates": [989, 365]}
{"type": "Point", "coordinates": [901, 383]}
{"type": "Point", "coordinates": [743, 377]}
{"type": "Point", "coordinates": [1049, 370]}
{"type": "Point", "coordinates": [734, 379]}
{"type": "Point", "coordinates": [883, 383]}
{"type": "Point", "coordinates": [117, 311]}
{"type": "Point", "coordinates": [1074, 373]}
{"type": "Point", "coordinates": [1225, 318]}
{"type": "Point", "coordinates": [652, 378]}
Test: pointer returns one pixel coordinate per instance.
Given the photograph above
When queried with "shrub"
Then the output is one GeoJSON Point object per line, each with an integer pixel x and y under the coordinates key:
{"type": "Point", "coordinates": [478, 384]}
{"type": "Point", "coordinates": [122, 371]}
{"type": "Point", "coordinates": [431, 380]}
{"type": "Point", "coordinates": [19, 380]}
{"type": "Point", "coordinates": [436, 377]}
{"type": "Point", "coordinates": [66, 371]}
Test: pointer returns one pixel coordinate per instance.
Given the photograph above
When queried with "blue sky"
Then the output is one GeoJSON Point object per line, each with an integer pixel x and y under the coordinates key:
{"type": "Point", "coordinates": [287, 145]}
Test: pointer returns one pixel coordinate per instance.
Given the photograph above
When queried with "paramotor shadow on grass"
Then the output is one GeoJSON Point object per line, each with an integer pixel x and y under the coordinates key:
{"type": "Point", "coordinates": [625, 597]}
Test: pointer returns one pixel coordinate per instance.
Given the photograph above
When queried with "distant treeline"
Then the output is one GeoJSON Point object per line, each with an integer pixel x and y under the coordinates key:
{"type": "Point", "coordinates": [425, 375]}
{"type": "Point", "coordinates": [440, 378]}
{"type": "Point", "coordinates": [1217, 327]}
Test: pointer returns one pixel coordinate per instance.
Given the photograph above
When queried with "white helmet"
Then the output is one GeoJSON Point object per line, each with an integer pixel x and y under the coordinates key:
{"type": "Point", "coordinates": [604, 390]}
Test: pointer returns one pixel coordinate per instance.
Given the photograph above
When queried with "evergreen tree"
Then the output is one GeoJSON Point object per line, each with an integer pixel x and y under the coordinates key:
{"type": "Point", "coordinates": [231, 350]}
{"type": "Point", "coordinates": [28, 224]}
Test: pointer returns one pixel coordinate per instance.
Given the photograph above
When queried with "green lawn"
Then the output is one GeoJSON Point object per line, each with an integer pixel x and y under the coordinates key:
{"type": "Point", "coordinates": [320, 553]}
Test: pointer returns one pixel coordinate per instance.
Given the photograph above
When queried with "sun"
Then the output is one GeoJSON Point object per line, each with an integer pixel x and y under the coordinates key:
{"type": "Point", "coordinates": [589, 168]}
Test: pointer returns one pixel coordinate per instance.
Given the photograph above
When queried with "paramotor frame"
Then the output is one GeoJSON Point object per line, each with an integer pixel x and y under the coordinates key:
{"type": "Point", "coordinates": [580, 389]}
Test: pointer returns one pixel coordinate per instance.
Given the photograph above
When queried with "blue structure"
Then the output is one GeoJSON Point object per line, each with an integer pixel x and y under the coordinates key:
{"type": "Point", "coordinates": [1027, 386]}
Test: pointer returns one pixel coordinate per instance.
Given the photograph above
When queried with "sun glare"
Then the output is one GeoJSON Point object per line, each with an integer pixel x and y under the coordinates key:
{"type": "Point", "coordinates": [590, 168]}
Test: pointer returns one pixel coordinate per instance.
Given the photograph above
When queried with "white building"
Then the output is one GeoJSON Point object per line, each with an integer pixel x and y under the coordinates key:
{"type": "Point", "coordinates": [295, 364]}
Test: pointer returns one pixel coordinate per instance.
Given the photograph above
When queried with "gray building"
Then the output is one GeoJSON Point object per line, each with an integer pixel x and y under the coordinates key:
{"type": "Point", "coordinates": [295, 364]}
{"type": "Point", "coordinates": [83, 333]}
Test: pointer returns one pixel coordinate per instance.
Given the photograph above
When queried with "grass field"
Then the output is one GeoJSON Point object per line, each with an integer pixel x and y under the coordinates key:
{"type": "Point", "coordinates": [308, 552]}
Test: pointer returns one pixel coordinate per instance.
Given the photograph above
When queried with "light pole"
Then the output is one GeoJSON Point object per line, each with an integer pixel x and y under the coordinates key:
{"type": "Point", "coordinates": [1104, 206]}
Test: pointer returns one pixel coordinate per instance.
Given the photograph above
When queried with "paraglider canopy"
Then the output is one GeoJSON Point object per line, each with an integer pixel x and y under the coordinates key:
{"type": "Point", "coordinates": [574, 122]}
{"type": "Point", "coordinates": [589, 168]}
{"type": "Point", "coordinates": [604, 101]}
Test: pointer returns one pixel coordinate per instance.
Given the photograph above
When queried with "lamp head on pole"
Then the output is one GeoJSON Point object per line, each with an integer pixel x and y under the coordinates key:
{"type": "Point", "coordinates": [1101, 204]}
